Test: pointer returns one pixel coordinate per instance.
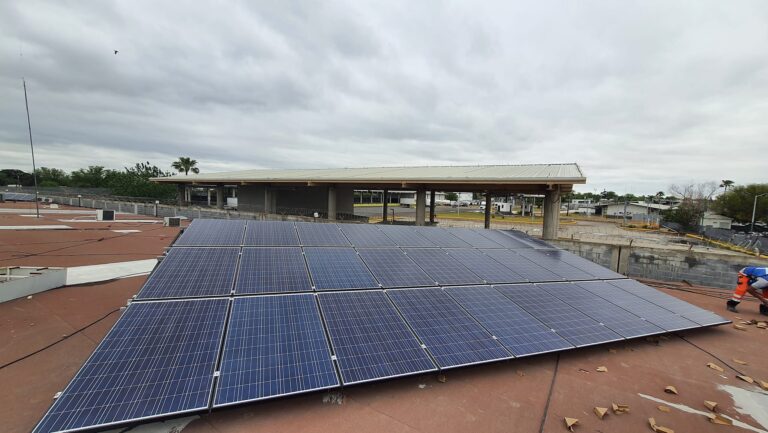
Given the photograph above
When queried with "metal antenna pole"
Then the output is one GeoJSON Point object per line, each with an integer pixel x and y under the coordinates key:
{"type": "Point", "coordinates": [32, 148]}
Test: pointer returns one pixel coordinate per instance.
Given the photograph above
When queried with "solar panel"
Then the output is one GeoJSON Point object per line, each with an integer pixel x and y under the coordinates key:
{"type": "Point", "coordinates": [366, 235]}
{"type": "Point", "coordinates": [452, 336]}
{"type": "Point", "coordinates": [504, 240]}
{"type": "Point", "coordinates": [17, 196]}
{"type": "Point", "coordinates": [441, 238]}
{"type": "Point", "coordinates": [405, 236]}
{"type": "Point", "coordinates": [651, 312]}
{"type": "Point", "coordinates": [521, 333]}
{"type": "Point", "coordinates": [526, 238]}
{"type": "Point", "coordinates": [621, 321]}
{"type": "Point", "coordinates": [203, 232]}
{"type": "Point", "coordinates": [275, 346]}
{"type": "Point", "coordinates": [575, 326]}
{"type": "Point", "coordinates": [271, 233]}
{"type": "Point", "coordinates": [158, 359]}
{"type": "Point", "coordinates": [474, 238]}
{"type": "Point", "coordinates": [441, 267]}
{"type": "Point", "coordinates": [393, 268]}
{"type": "Point", "coordinates": [272, 270]}
{"type": "Point", "coordinates": [585, 265]}
{"type": "Point", "coordinates": [192, 272]}
{"type": "Point", "coordinates": [522, 266]}
{"type": "Point", "coordinates": [549, 260]}
{"type": "Point", "coordinates": [321, 235]}
{"type": "Point", "coordinates": [689, 311]}
{"type": "Point", "coordinates": [369, 338]}
{"type": "Point", "coordinates": [338, 268]}
{"type": "Point", "coordinates": [485, 267]}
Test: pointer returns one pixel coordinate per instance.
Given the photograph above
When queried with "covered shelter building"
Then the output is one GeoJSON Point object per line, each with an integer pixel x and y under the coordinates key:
{"type": "Point", "coordinates": [330, 192]}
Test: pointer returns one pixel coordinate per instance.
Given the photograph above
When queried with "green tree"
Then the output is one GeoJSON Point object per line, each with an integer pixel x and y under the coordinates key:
{"type": "Point", "coordinates": [134, 182]}
{"type": "Point", "coordinates": [608, 195]}
{"type": "Point", "coordinates": [725, 184]}
{"type": "Point", "coordinates": [737, 203]}
{"type": "Point", "coordinates": [92, 177]}
{"type": "Point", "coordinates": [694, 201]}
{"type": "Point", "coordinates": [12, 176]}
{"type": "Point", "coordinates": [52, 177]}
{"type": "Point", "coordinates": [451, 196]}
{"type": "Point", "coordinates": [185, 164]}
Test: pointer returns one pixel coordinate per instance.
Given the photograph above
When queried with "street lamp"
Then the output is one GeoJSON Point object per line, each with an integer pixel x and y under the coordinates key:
{"type": "Point", "coordinates": [754, 208]}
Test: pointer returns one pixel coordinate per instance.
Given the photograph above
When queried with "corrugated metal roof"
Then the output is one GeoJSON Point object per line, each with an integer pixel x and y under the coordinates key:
{"type": "Point", "coordinates": [544, 173]}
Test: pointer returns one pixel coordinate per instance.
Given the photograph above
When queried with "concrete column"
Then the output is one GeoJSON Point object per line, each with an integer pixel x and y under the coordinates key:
{"type": "Point", "coordinates": [421, 198]}
{"type": "Point", "coordinates": [219, 197]}
{"type": "Point", "coordinates": [268, 200]}
{"type": "Point", "coordinates": [488, 205]}
{"type": "Point", "coordinates": [384, 203]}
{"type": "Point", "coordinates": [181, 194]}
{"type": "Point", "coordinates": [331, 202]}
{"type": "Point", "coordinates": [432, 207]}
{"type": "Point", "coordinates": [551, 213]}
{"type": "Point", "coordinates": [209, 196]}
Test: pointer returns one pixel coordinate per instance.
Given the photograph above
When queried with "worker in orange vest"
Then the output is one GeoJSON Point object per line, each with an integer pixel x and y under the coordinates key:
{"type": "Point", "coordinates": [755, 281]}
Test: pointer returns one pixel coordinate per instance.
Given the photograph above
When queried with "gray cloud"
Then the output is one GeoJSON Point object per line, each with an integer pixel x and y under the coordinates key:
{"type": "Point", "coordinates": [641, 95]}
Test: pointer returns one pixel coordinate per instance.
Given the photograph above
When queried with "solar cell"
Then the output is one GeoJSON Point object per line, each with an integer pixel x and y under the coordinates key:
{"type": "Point", "coordinates": [210, 232]}
{"type": "Point", "coordinates": [192, 272]}
{"type": "Point", "coordinates": [575, 326]}
{"type": "Point", "coordinates": [271, 270]}
{"type": "Point", "coordinates": [521, 333]}
{"type": "Point", "coordinates": [369, 338]}
{"type": "Point", "coordinates": [451, 335]}
{"type": "Point", "coordinates": [505, 241]}
{"type": "Point", "coordinates": [320, 235]}
{"type": "Point", "coordinates": [689, 311]}
{"type": "Point", "coordinates": [551, 261]}
{"type": "Point", "coordinates": [474, 238]}
{"type": "Point", "coordinates": [441, 267]}
{"type": "Point", "coordinates": [621, 321]}
{"type": "Point", "coordinates": [522, 266]}
{"type": "Point", "coordinates": [441, 238]}
{"type": "Point", "coordinates": [585, 265]}
{"type": "Point", "coordinates": [158, 359]}
{"type": "Point", "coordinates": [485, 267]}
{"type": "Point", "coordinates": [275, 346]}
{"type": "Point", "coordinates": [393, 268]}
{"type": "Point", "coordinates": [405, 236]}
{"type": "Point", "coordinates": [366, 235]}
{"type": "Point", "coordinates": [338, 268]}
{"type": "Point", "coordinates": [271, 233]}
{"type": "Point", "coordinates": [651, 312]}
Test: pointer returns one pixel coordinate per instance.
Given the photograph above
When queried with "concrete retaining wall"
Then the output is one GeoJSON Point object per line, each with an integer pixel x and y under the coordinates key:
{"type": "Point", "coordinates": [713, 268]}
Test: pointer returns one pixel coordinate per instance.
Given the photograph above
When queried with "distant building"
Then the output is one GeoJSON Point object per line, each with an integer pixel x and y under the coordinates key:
{"type": "Point", "coordinates": [711, 219]}
{"type": "Point", "coordinates": [639, 210]}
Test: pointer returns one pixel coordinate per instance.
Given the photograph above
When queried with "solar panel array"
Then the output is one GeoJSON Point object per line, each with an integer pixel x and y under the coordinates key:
{"type": "Point", "coordinates": [242, 311]}
{"type": "Point", "coordinates": [17, 196]}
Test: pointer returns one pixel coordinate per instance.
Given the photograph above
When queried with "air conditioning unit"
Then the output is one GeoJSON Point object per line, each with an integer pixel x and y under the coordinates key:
{"type": "Point", "coordinates": [172, 222]}
{"type": "Point", "coordinates": [105, 215]}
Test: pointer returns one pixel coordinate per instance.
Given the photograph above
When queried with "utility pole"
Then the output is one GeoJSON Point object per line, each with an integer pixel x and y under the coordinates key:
{"type": "Point", "coordinates": [32, 148]}
{"type": "Point", "coordinates": [754, 208]}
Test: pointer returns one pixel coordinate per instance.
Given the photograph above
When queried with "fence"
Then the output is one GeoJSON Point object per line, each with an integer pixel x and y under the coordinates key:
{"type": "Point", "coordinates": [164, 210]}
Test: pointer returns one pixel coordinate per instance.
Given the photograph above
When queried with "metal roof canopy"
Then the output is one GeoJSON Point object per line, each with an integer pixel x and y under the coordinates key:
{"type": "Point", "coordinates": [509, 178]}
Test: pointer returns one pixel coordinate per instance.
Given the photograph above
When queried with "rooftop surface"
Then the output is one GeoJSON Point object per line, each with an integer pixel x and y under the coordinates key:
{"type": "Point", "coordinates": [531, 173]}
{"type": "Point", "coordinates": [44, 340]}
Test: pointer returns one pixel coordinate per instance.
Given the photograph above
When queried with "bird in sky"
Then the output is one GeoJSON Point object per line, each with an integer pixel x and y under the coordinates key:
{"type": "Point", "coordinates": [116, 52]}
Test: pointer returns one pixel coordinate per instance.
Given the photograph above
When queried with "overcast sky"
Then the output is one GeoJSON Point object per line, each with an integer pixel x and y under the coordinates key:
{"type": "Point", "coordinates": [640, 94]}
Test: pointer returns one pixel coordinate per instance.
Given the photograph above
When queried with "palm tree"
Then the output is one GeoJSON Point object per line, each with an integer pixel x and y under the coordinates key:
{"type": "Point", "coordinates": [726, 184]}
{"type": "Point", "coordinates": [185, 164]}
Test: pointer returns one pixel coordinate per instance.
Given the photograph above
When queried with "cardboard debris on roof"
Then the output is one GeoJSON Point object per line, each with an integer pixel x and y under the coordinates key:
{"type": "Point", "coordinates": [602, 369]}
{"type": "Point", "coordinates": [746, 378]}
{"type": "Point", "coordinates": [670, 390]}
{"type": "Point", "coordinates": [716, 418]}
{"type": "Point", "coordinates": [619, 408]}
{"type": "Point", "coordinates": [762, 325]}
{"type": "Point", "coordinates": [740, 362]}
{"type": "Point", "coordinates": [442, 378]}
{"type": "Point", "coordinates": [657, 428]}
{"type": "Point", "coordinates": [612, 350]}
{"type": "Point", "coordinates": [520, 373]}
{"type": "Point", "coordinates": [711, 405]}
{"type": "Point", "coordinates": [739, 327]}
{"type": "Point", "coordinates": [570, 422]}
{"type": "Point", "coordinates": [714, 366]}
{"type": "Point", "coordinates": [663, 408]}
{"type": "Point", "coordinates": [601, 411]}
{"type": "Point", "coordinates": [763, 384]}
